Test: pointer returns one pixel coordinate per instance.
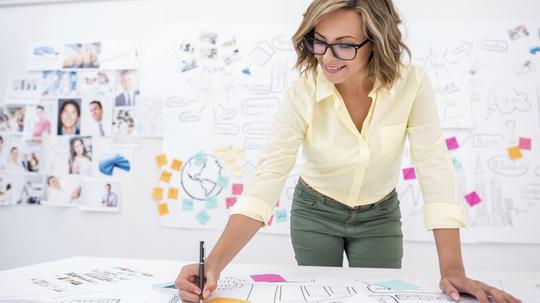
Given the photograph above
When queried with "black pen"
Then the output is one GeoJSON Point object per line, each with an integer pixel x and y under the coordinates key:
{"type": "Point", "coordinates": [201, 270]}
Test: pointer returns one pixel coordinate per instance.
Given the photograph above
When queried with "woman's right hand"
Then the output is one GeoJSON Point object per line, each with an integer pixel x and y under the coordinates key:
{"type": "Point", "coordinates": [187, 282]}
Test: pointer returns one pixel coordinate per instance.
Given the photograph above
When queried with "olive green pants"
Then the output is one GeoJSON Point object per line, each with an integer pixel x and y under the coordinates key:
{"type": "Point", "coordinates": [322, 229]}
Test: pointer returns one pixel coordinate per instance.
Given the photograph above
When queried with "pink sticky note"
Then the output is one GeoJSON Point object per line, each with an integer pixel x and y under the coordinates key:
{"type": "Point", "coordinates": [451, 143]}
{"type": "Point", "coordinates": [230, 201]}
{"type": "Point", "coordinates": [268, 278]}
{"type": "Point", "coordinates": [237, 188]}
{"type": "Point", "coordinates": [472, 198]}
{"type": "Point", "coordinates": [525, 143]}
{"type": "Point", "coordinates": [409, 173]}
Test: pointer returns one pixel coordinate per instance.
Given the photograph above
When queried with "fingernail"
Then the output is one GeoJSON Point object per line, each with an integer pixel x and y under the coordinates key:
{"type": "Point", "coordinates": [455, 296]}
{"type": "Point", "coordinates": [206, 294]}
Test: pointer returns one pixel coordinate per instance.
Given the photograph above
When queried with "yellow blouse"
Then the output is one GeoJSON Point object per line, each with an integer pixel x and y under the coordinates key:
{"type": "Point", "coordinates": [353, 167]}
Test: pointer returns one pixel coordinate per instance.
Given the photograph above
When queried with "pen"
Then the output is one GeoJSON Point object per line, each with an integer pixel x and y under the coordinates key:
{"type": "Point", "coordinates": [201, 270]}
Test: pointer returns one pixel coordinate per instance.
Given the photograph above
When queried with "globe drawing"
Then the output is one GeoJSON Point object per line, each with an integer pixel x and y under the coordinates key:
{"type": "Point", "coordinates": [200, 176]}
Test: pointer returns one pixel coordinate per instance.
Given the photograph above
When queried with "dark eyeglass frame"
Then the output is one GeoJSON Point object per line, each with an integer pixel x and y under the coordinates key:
{"type": "Point", "coordinates": [308, 40]}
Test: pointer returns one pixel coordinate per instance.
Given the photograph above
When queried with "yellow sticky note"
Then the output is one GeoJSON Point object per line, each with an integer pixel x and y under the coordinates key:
{"type": "Point", "coordinates": [165, 176]}
{"type": "Point", "coordinates": [514, 152]}
{"type": "Point", "coordinates": [173, 193]}
{"type": "Point", "coordinates": [163, 209]}
{"type": "Point", "coordinates": [161, 160]}
{"type": "Point", "coordinates": [176, 165]}
{"type": "Point", "coordinates": [226, 300]}
{"type": "Point", "coordinates": [157, 193]}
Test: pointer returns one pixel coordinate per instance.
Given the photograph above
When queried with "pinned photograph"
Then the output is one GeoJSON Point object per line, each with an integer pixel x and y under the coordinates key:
{"type": "Point", "coordinates": [100, 195]}
{"type": "Point", "coordinates": [45, 56]}
{"type": "Point", "coordinates": [57, 83]}
{"type": "Point", "coordinates": [23, 90]}
{"type": "Point", "coordinates": [5, 144]}
{"type": "Point", "coordinates": [69, 117]}
{"type": "Point", "coordinates": [20, 189]}
{"type": "Point", "coordinates": [128, 88]}
{"type": "Point", "coordinates": [56, 155]}
{"type": "Point", "coordinates": [38, 121]}
{"type": "Point", "coordinates": [123, 127]}
{"type": "Point", "coordinates": [80, 155]}
{"type": "Point", "coordinates": [23, 157]}
{"type": "Point", "coordinates": [82, 55]}
{"type": "Point", "coordinates": [61, 190]}
{"type": "Point", "coordinates": [12, 119]}
{"type": "Point", "coordinates": [120, 54]}
{"type": "Point", "coordinates": [96, 117]}
{"type": "Point", "coordinates": [98, 84]}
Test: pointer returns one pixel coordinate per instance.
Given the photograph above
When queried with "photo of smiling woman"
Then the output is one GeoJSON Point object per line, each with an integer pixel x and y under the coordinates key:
{"type": "Point", "coordinates": [80, 159]}
{"type": "Point", "coordinates": [69, 116]}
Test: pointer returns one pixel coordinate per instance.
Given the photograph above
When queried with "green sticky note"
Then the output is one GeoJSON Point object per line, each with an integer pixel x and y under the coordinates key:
{"type": "Point", "coordinates": [397, 285]}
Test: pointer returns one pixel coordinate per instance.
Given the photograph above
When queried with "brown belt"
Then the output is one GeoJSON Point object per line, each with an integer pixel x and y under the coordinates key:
{"type": "Point", "coordinates": [328, 199]}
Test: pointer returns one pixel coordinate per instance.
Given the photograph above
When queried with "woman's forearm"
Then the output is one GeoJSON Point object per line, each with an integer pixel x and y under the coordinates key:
{"type": "Point", "coordinates": [449, 250]}
{"type": "Point", "coordinates": [239, 230]}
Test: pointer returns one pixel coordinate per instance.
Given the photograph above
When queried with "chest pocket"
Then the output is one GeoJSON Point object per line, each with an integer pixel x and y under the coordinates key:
{"type": "Point", "coordinates": [392, 138]}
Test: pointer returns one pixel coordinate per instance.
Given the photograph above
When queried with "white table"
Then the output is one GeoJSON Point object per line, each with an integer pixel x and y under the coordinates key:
{"type": "Point", "coordinates": [16, 285]}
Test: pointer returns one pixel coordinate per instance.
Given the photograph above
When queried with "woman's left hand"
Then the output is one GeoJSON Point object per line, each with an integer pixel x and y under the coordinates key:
{"type": "Point", "coordinates": [453, 284]}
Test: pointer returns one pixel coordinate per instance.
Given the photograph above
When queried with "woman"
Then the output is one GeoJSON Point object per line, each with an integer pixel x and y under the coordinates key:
{"type": "Point", "coordinates": [80, 160]}
{"type": "Point", "coordinates": [351, 110]}
{"type": "Point", "coordinates": [68, 117]}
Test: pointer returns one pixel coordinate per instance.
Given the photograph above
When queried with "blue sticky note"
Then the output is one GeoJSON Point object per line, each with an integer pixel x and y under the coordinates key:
{"type": "Point", "coordinates": [203, 217]}
{"type": "Point", "coordinates": [187, 204]}
{"type": "Point", "coordinates": [456, 163]}
{"type": "Point", "coordinates": [223, 181]}
{"type": "Point", "coordinates": [397, 285]}
{"type": "Point", "coordinates": [211, 202]}
{"type": "Point", "coordinates": [200, 158]}
{"type": "Point", "coordinates": [281, 215]}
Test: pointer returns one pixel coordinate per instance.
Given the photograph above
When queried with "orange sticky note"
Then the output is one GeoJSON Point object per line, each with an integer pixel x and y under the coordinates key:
{"type": "Point", "coordinates": [163, 209]}
{"type": "Point", "coordinates": [173, 193]}
{"type": "Point", "coordinates": [161, 160]}
{"type": "Point", "coordinates": [514, 152]}
{"type": "Point", "coordinates": [165, 176]}
{"type": "Point", "coordinates": [226, 300]}
{"type": "Point", "coordinates": [157, 193]}
{"type": "Point", "coordinates": [176, 165]}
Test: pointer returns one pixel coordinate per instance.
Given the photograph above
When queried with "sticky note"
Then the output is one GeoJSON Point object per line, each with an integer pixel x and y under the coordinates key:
{"type": "Point", "coordinates": [281, 215]}
{"type": "Point", "coordinates": [514, 152]}
{"type": "Point", "coordinates": [271, 219]}
{"type": "Point", "coordinates": [187, 204]}
{"type": "Point", "coordinates": [163, 209]}
{"type": "Point", "coordinates": [226, 300]}
{"type": "Point", "coordinates": [237, 188]}
{"type": "Point", "coordinates": [203, 217]}
{"type": "Point", "coordinates": [456, 163]}
{"type": "Point", "coordinates": [223, 181]}
{"type": "Point", "coordinates": [157, 193]}
{"type": "Point", "coordinates": [165, 176]}
{"type": "Point", "coordinates": [211, 202]}
{"type": "Point", "coordinates": [452, 143]}
{"type": "Point", "coordinates": [409, 173]}
{"type": "Point", "coordinates": [161, 160]}
{"type": "Point", "coordinates": [397, 285]}
{"type": "Point", "coordinates": [525, 143]}
{"type": "Point", "coordinates": [176, 165]}
{"type": "Point", "coordinates": [230, 201]}
{"type": "Point", "coordinates": [472, 198]}
{"type": "Point", "coordinates": [268, 278]}
{"type": "Point", "coordinates": [200, 158]}
{"type": "Point", "coordinates": [173, 193]}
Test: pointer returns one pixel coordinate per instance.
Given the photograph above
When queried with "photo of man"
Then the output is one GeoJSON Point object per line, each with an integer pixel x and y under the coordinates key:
{"type": "Point", "coordinates": [61, 190]}
{"type": "Point", "coordinates": [128, 90]}
{"type": "Point", "coordinates": [96, 118]}
{"type": "Point", "coordinates": [100, 195]}
{"type": "Point", "coordinates": [109, 198]}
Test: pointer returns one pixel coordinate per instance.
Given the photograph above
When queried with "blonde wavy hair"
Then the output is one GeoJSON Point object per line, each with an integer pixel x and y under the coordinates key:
{"type": "Point", "coordinates": [380, 24]}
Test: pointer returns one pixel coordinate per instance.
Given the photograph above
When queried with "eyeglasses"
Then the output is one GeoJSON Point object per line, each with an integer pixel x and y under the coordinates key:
{"type": "Point", "coordinates": [342, 51]}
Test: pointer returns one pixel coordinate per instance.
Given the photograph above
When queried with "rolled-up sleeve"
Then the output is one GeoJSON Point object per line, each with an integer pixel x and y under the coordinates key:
{"type": "Point", "coordinates": [277, 159]}
{"type": "Point", "coordinates": [429, 155]}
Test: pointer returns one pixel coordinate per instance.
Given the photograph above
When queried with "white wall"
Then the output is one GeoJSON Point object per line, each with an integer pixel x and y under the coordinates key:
{"type": "Point", "coordinates": [31, 235]}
